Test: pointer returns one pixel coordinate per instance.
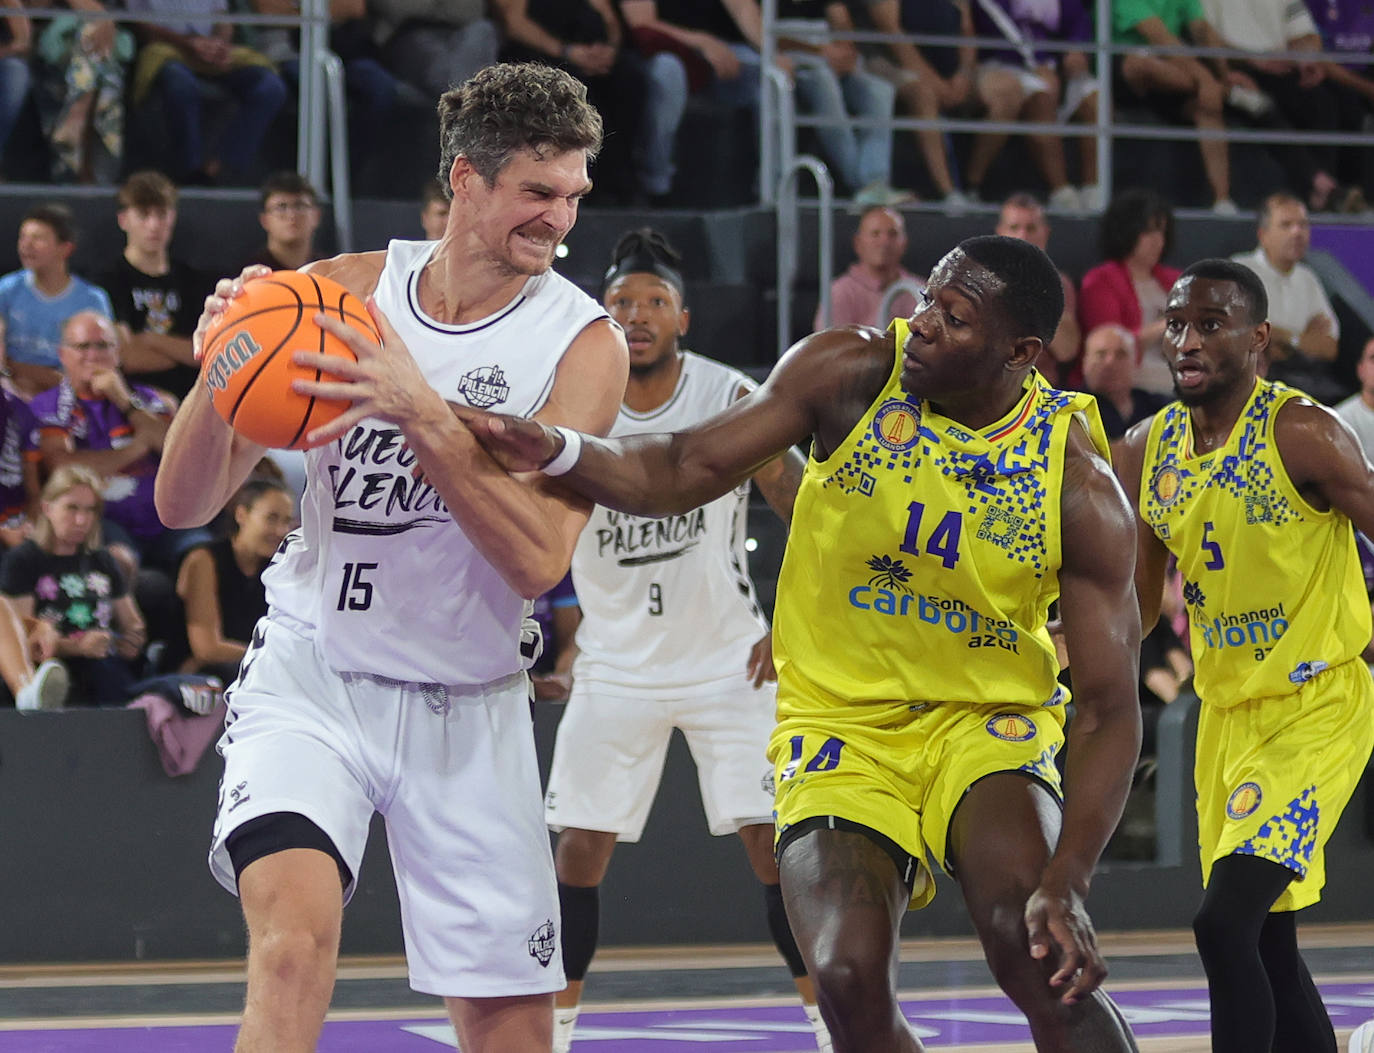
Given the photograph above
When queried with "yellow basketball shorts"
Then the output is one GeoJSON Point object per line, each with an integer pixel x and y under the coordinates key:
{"type": "Point", "coordinates": [1274, 774]}
{"type": "Point", "coordinates": [903, 771]}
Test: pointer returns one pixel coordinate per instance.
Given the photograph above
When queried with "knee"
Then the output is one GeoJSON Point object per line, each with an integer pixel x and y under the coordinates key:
{"type": "Point", "coordinates": [667, 76]}
{"type": "Point", "coordinates": [582, 857]}
{"type": "Point", "coordinates": [852, 986]}
{"type": "Point", "coordinates": [268, 91]}
{"type": "Point", "coordinates": [296, 954]}
{"type": "Point", "coordinates": [1210, 98]}
{"type": "Point", "coordinates": [1007, 949]}
{"type": "Point", "coordinates": [1213, 933]}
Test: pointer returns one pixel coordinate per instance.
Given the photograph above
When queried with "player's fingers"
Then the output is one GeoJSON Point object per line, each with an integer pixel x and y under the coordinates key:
{"type": "Point", "coordinates": [339, 391]}
{"type": "Point", "coordinates": [1089, 978]}
{"type": "Point", "coordinates": [334, 365]}
{"type": "Point", "coordinates": [1038, 936]}
{"type": "Point", "coordinates": [337, 427]}
{"type": "Point", "coordinates": [356, 341]}
{"type": "Point", "coordinates": [383, 324]}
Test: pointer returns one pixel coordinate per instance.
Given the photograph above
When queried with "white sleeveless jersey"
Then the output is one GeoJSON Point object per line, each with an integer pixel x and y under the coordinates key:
{"type": "Point", "coordinates": [378, 569]}
{"type": "Point", "coordinates": [668, 606]}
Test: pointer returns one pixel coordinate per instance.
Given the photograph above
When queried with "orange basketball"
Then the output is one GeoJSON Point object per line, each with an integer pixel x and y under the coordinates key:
{"type": "Point", "coordinates": [247, 362]}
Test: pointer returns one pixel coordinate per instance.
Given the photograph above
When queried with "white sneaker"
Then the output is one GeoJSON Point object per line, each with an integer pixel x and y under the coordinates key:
{"type": "Point", "coordinates": [564, 1021]}
{"type": "Point", "coordinates": [47, 689]}
{"type": "Point", "coordinates": [955, 203]}
{"type": "Point", "coordinates": [1094, 200]}
{"type": "Point", "coordinates": [1224, 206]}
{"type": "Point", "coordinates": [1065, 199]}
{"type": "Point", "coordinates": [823, 1041]}
{"type": "Point", "coordinates": [882, 194]}
{"type": "Point", "coordinates": [1362, 1038]}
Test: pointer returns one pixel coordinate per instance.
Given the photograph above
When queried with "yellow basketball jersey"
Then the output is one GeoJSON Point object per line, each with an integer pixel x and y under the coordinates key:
{"type": "Point", "coordinates": [1273, 587]}
{"type": "Point", "coordinates": [923, 557]}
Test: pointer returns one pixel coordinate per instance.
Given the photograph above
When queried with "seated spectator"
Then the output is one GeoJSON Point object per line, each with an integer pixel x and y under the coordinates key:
{"type": "Point", "coordinates": [690, 46]}
{"type": "Point", "coordinates": [1023, 216]}
{"type": "Point", "coordinates": [1358, 409]}
{"type": "Point", "coordinates": [929, 81]}
{"type": "Point", "coordinates": [290, 214]}
{"type": "Point", "coordinates": [1017, 82]}
{"type": "Point", "coordinates": [434, 209]}
{"type": "Point", "coordinates": [64, 576]}
{"type": "Point", "coordinates": [1303, 329]}
{"type": "Point", "coordinates": [96, 419]}
{"type": "Point", "coordinates": [558, 617]}
{"type": "Point", "coordinates": [1109, 373]}
{"type": "Point", "coordinates": [368, 85]}
{"type": "Point", "coordinates": [1297, 90]}
{"type": "Point", "coordinates": [156, 299]}
{"type": "Point", "coordinates": [1130, 288]}
{"type": "Point", "coordinates": [220, 584]}
{"type": "Point", "coordinates": [30, 675]}
{"type": "Point", "coordinates": [80, 93]}
{"type": "Point", "coordinates": [16, 41]}
{"type": "Point", "coordinates": [1180, 87]}
{"type": "Point", "coordinates": [831, 82]}
{"type": "Point", "coordinates": [584, 37]}
{"type": "Point", "coordinates": [1349, 30]}
{"type": "Point", "coordinates": [19, 465]}
{"type": "Point", "coordinates": [174, 57]}
{"type": "Point", "coordinates": [38, 298]}
{"type": "Point", "coordinates": [434, 44]}
{"type": "Point", "coordinates": [857, 295]}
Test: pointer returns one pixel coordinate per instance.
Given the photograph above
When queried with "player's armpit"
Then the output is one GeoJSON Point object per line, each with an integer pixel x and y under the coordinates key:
{"type": "Point", "coordinates": [1324, 460]}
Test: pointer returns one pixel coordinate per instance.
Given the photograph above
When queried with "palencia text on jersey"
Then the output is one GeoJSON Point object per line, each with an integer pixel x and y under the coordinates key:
{"type": "Point", "coordinates": [375, 474]}
{"type": "Point", "coordinates": [635, 539]}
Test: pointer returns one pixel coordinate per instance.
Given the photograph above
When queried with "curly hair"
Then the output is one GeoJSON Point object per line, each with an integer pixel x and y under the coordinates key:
{"type": "Point", "coordinates": [514, 106]}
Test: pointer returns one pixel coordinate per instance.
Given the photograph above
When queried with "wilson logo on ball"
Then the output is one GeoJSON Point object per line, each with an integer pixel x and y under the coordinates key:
{"type": "Point", "coordinates": [237, 351]}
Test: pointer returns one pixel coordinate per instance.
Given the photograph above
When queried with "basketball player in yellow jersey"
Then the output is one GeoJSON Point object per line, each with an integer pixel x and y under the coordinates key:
{"type": "Point", "coordinates": [1253, 487]}
{"type": "Point", "coordinates": [949, 497]}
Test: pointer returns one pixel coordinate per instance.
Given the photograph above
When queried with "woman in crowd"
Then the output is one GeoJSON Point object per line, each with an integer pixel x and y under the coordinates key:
{"type": "Point", "coordinates": [64, 576]}
{"type": "Point", "coordinates": [220, 584]}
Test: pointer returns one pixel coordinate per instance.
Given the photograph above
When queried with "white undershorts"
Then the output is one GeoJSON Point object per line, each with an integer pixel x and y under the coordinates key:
{"type": "Point", "coordinates": [454, 772]}
{"type": "Point", "coordinates": [608, 758]}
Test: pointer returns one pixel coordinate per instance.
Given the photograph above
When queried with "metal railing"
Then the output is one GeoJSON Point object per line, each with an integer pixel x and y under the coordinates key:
{"type": "Point", "coordinates": [321, 114]}
{"type": "Point", "coordinates": [788, 237]}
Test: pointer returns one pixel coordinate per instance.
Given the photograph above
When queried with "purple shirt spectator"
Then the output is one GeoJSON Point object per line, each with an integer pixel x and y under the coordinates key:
{"type": "Point", "coordinates": [1024, 24]}
{"type": "Point", "coordinates": [97, 424]}
{"type": "Point", "coordinates": [561, 595]}
{"type": "Point", "coordinates": [18, 445]}
{"type": "Point", "coordinates": [1344, 27]}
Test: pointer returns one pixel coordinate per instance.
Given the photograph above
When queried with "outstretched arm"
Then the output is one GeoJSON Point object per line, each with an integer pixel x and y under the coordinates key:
{"type": "Point", "coordinates": [814, 389]}
{"type": "Point", "coordinates": [1102, 629]}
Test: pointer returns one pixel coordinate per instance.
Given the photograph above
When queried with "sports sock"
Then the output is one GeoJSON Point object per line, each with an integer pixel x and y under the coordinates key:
{"type": "Point", "coordinates": [564, 1022]}
{"type": "Point", "coordinates": [823, 1042]}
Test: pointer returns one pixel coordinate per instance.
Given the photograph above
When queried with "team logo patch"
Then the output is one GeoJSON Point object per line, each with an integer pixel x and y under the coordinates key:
{"type": "Point", "coordinates": [1011, 727]}
{"type": "Point", "coordinates": [768, 784]}
{"type": "Point", "coordinates": [541, 943]}
{"type": "Point", "coordinates": [1244, 799]}
{"type": "Point", "coordinates": [484, 387]}
{"type": "Point", "coordinates": [1166, 484]}
{"type": "Point", "coordinates": [896, 425]}
{"type": "Point", "coordinates": [239, 795]}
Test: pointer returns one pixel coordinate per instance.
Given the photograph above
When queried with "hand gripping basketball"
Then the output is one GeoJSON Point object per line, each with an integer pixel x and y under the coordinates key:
{"type": "Point", "coordinates": [248, 363]}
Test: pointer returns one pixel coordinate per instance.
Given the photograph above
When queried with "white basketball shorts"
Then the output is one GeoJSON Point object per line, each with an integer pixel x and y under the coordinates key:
{"type": "Point", "coordinates": [454, 772]}
{"type": "Point", "coordinates": [608, 757]}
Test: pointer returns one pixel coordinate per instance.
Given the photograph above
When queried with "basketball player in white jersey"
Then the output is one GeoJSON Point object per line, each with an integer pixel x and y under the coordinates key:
{"type": "Point", "coordinates": [671, 636]}
{"type": "Point", "coordinates": [389, 674]}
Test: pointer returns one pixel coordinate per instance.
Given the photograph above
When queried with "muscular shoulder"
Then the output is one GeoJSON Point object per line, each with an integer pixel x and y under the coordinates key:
{"type": "Point", "coordinates": [833, 376]}
{"type": "Point", "coordinates": [1312, 441]}
{"type": "Point", "coordinates": [1096, 513]}
{"type": "Point", "coordinates": [358, 272]}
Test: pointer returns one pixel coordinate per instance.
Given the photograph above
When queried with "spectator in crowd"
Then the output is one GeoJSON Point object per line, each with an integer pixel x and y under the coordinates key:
{"type": "Point", "coordinates": [1109, 373]}
{"type": "Point", "coordinates": [64, 576]}
{"type": "Point", "coordinates": [19, 465]}
{"type": "Point", "coordinates": [1166, 666]}
{"type": "Point", "coordinates": [857, 295]}
{"type": "Point", "coordinates": [1303, 329]}
{"type": "Point", "coordinates": [1358, 409]}
{"type": "Point", "coordinates": [929, 82]}
{"type": "Point", "coordinates": [832, 83]}
{"type": "Point", "coordinates": [434, 44]}
{"type": "Point", "coordinates": [156, 299]}
{"type": "Point", "coordinates": [1130, 286]}
{"type": "Point", "coordinates": [79, 88]}
{"type": "Point", "coordinates": [370, 88]}
{"type": "Point", "coordinates": [174, 57]}
{"type": "Point", "coordinates": [24, 642]}
{"type": "Point", "coordinates": [586, 38]}
{"type": "Point", "coordinates": [558, 616]}
{"type": "Point", "coordinates": [36, 299]}
{"type": "Point", "coordinates": [1023, 216]}
{"type": "Point", "coordinates": [16, 41]}
{"type": "Point", "coordinates": [433, 209]}
{"type": "Point", "coordinates": [1017, 82]}
{"type": "Point", "coordinates": [220, 584]}
{"type": "Point", "coordinates": [290, 214]}
{"type": "Point", "coordinates": [1349, 29]}
{"type": "Point", "coordinates": [1298, 90]}
{"type": "Point", "coordinates": [95, 418]}
{"type": "Point", "coordinates": [1180, 87]}
{"type": "Point", "coordinates": [690, 46]}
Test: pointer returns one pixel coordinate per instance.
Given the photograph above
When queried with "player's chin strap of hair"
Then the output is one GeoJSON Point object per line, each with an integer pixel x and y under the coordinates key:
{"type": "Point", "coordinates": [643, 262]}
{"type": "Point", "coordinates": [567, 457]}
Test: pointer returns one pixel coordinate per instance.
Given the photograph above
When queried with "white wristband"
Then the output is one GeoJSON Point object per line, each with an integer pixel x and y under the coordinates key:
{"type": "Point", "coordinates": [572, 450]}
